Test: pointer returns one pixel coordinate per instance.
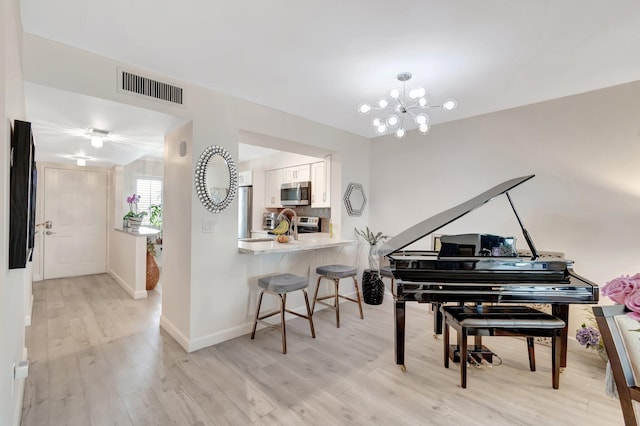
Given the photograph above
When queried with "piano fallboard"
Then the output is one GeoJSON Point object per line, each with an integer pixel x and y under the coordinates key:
{"type": "Point", "coordinates": [576, 290]}
{"type": "Point", "coordinates": [424, 277]}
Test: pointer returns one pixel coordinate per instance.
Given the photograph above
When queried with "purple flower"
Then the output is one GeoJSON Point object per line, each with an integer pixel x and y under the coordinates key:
{"type": "Point", "coordinates": [588, 336]}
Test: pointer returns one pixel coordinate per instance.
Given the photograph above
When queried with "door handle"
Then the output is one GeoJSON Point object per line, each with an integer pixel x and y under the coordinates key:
{"type": "Point", "coordinates": [49, 233]}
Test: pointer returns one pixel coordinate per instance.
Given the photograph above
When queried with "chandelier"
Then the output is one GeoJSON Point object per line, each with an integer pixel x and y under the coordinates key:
{"type": "Point", "coordinates": [403, 109]}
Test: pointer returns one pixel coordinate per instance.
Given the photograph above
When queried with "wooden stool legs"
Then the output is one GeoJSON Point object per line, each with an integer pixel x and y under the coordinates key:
{"type": "Point", "coordinates": [336, 297]}
{"type": "Point", "coordinates": [282, 311]}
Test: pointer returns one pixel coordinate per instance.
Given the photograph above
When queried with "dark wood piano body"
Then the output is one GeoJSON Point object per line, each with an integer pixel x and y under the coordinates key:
{"type": "Point", "coordinates": [423, 277]}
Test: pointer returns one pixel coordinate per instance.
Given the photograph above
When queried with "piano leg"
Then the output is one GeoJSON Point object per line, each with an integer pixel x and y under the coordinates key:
{"type": "Point", "coordinates": [399, 333]}
{"type": "Point", "coordinates": [562, 312]}
{"type": "Point", "coordinates": [437, 319]}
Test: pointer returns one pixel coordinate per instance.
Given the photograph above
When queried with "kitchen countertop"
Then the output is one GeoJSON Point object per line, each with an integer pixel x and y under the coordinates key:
{"type": "Point", "coordinates": [311, 241]}
{"type": "Point", "coordinates": [143, 230]}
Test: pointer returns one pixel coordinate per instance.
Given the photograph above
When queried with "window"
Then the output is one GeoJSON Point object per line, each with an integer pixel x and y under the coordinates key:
{"type": "Point", "coordinates": [150, 191]}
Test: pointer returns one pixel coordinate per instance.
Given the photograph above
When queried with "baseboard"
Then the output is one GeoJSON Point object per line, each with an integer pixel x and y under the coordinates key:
{"type": "Point", "coordinates": [19, 388]}
{"type": "Point", "coordinates": [174, 332]}
{"type": "Point", "coordinates": [220, 336]}
{"type": "Point", "coordinates": [134, 294]}
{"type": "Point", "coordinates": [224, 335]}
{"type": "Point", "coordinates": [241, 330]}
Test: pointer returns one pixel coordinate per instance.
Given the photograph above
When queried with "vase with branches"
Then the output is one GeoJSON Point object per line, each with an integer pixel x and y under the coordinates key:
{"type": "Point", "coordinates": [374, 239]}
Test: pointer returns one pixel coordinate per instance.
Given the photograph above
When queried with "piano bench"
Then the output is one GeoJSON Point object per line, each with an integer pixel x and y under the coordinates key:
{"type": "Point", "coordinates": [501, 321]}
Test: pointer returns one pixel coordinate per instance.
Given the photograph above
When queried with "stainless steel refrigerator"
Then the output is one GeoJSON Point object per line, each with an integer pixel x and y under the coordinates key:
{"type": "Point", "coordinates": [245, 205]}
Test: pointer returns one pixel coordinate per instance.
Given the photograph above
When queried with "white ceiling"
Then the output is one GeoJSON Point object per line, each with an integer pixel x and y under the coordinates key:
{"type": "Point", "coordinates": [319, 60]}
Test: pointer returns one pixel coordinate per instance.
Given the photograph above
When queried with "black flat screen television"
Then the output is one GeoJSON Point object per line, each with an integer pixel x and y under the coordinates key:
{"type": "Point", "coordinates": [22, 196]}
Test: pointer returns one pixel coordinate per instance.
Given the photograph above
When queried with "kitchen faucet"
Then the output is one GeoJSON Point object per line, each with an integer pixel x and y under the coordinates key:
{"type": "Point", "coordinates": [294, 221]}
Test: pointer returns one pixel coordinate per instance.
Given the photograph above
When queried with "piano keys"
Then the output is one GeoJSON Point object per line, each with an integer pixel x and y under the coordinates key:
{"type": "Point", "coordinates": [471, 274]}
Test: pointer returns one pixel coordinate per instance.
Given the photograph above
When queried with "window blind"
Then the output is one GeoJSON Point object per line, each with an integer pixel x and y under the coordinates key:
{"type": "Point", "coordinates": [150, 191]}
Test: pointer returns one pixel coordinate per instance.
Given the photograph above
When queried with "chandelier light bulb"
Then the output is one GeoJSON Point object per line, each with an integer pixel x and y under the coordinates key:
{"type": "Point", "coordinates": [383, 102]}
{"type": "Point", "coordinates": [400, 133]}
{"type": "Point", "coordinates": [364, 108]}
{"type": "Point", "coordinates": [376, 122]}
{"type": "Point", "coordinates": [449, 104]}
{"type": "Point", "coordinates": [381, 129]}
{"type": "Point", "coordinates": [422, 119]}
{"type": "Point", "coordinates": [424, 129]}
{"type": "Point", "coordinates": [395, 93]}
{"type": "Point", "coordinates": [392, 120]}
{"type": "Point", "coordinates": [423, 102]}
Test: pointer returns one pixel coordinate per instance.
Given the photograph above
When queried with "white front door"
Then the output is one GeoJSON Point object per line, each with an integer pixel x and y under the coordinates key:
{"type": "Point", "coordinates": [75, 204]}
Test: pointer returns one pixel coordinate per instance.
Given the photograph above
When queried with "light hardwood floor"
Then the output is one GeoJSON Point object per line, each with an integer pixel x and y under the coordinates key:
{"type": "Point", "coordinates": [99, 357]}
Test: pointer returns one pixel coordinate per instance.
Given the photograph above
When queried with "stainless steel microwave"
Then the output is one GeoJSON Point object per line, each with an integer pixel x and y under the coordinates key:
{"type": "Point", "coordinates": [295, 194]}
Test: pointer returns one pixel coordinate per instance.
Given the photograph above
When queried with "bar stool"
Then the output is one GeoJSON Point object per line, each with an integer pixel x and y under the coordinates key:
{"type": "Point", "coordinates": [280, 285]}
{"type": "Point", "coordinates": [335, 273]}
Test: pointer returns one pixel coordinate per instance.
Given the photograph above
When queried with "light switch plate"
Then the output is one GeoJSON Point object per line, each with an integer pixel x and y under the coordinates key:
{"type": "Point", "coordinates": [208, 226]}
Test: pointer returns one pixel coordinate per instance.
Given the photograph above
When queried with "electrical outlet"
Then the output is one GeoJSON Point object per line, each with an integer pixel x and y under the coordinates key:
{"type": "Point", "coordinates": [208, 226]}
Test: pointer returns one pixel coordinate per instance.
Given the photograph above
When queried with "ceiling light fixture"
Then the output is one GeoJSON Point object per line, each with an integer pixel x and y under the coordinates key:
{"type": "Point", "coordinates": [97, 137]}
{"type": "Point", "coordinates": [81, 160]}
{"type": "Point", "coordinates": [404, 105]}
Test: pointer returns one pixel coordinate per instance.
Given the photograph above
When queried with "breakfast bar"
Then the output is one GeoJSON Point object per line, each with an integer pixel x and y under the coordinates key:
{"type": "Point", "coordinates": [304, 242]}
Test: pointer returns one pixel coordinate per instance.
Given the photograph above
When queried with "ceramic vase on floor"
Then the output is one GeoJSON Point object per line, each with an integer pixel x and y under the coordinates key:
{"type": "Point", "coordinates": [153, 272]}
{"type": "Point", "coordinates": [372, 287]}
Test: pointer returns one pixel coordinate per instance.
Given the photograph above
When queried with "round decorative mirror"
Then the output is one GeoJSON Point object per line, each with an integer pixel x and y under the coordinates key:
{"type": "Point", "coordinates": [354, 199]}
{"type": "Point", "coordinates": [216, 179]}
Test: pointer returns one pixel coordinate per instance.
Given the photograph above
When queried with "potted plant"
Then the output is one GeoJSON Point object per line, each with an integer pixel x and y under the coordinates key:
{"type": "Point", "coordinates": [372, 284]}
{"type": "Point", "coordinates": [133, 217]}
{"type": "Point", "coordinates": [156, 215]}
{"type": "Point", "coordinates": [373, 239]}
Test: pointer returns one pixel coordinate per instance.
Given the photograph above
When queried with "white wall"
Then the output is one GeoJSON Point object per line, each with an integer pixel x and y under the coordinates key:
{"type": "Point", "coordinates": [208, 289]}
{"type": "Point", "coordinates": [584, 200]}
{"type": "Point", "coordinates": [13, 293]}
{"type": "Point", "coordinates": [128, 262]}
{"type": "Point", "coordinates": [176, 235]}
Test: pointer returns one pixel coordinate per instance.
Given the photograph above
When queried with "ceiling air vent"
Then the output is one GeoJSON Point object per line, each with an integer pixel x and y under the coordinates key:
{"type": "Point", "coordinates": [152, 88]}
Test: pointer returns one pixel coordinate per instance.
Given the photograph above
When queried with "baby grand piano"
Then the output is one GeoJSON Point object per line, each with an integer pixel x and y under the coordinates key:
{"type": "Point", "coordinates": [429, 277]}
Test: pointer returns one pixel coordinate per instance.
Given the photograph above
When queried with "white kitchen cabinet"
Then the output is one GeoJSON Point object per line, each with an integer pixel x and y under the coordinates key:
{"type": "Point", "coordinates": [301, 173]}
{"type": "Point", "coordinates": [272, 183]}
{"type": "Point", "coordinates": [321, 183]}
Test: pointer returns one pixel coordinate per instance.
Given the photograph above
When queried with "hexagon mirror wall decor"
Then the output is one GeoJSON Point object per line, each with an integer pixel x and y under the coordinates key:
{"type": "Point", "coordinates": [355, 199]}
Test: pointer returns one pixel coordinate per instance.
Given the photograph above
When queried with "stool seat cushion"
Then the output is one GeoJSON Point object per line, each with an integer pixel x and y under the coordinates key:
{"type": "Point", "coordinates": [337, 271]}
{"type": "Point", "coordinates": [502, 317]}
{"type": "Point", "coordinates": [283, 283]}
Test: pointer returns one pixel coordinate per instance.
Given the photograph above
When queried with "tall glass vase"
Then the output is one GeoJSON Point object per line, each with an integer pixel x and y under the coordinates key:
{"type": "Point", "coordinates": [374, 259]}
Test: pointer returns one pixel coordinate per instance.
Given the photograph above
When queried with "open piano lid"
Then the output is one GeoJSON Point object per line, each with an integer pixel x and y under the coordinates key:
{"type": "Point", "coordinates": [436, 222]}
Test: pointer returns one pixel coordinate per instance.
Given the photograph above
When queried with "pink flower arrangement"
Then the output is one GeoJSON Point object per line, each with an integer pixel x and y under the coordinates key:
{"type": "Point", "coordinates": [132, 200]}
{"type": "Point", "coordinates": [626, 291]}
